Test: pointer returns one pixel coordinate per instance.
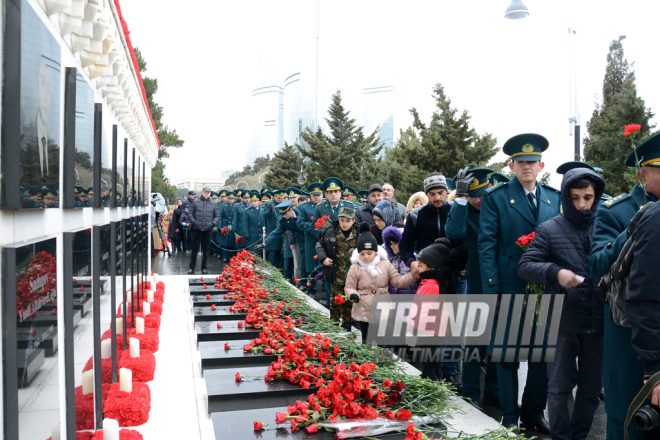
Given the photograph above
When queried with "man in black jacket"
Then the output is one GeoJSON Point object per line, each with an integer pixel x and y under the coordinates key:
{"type": "Point", "coordinates": [203, 215]}
{"type": "Point", "coordinates": [174, 229]}
{"type": "Point", "coordinates": [642, 306]}
{"type": "Point", "coordinates": [559, 257]}
{"type": "Point", "coordinates": [424, 225]}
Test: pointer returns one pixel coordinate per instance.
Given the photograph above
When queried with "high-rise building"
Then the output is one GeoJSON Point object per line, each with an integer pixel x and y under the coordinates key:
{"type": "Point", "coordinates": [266, 113]}
{"type": "Point", "coordinates": [379, 112]}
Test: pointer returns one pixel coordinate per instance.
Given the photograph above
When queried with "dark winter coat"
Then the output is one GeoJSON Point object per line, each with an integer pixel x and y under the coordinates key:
{"type": "Point", "coordinates": [203, 214]}
{"type": "Point", "coordinates": [642, 306]}
{"type": "Point", "coordinates": [365, 213]}
{"type": "Point", "coordinates": [174, 224]}
{"type": "Point", "coordinates": [424, 225]}
{"type": "Point", "coordinates": [564, 242]}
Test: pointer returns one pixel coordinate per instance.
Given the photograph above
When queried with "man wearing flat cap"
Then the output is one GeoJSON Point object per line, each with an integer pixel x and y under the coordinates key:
{"type": "Point", "coordinates": [204, 215]}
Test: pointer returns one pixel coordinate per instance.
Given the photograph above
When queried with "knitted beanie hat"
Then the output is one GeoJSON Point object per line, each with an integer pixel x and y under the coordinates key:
{"type": "Point", "coordinates": [366, 240]}
{"type": "Point", "coordinates": [434, 181]}
{"type": "Point", "coordinates": [437, 254]}
{"type": "Point", "coordinates": [385, 211]}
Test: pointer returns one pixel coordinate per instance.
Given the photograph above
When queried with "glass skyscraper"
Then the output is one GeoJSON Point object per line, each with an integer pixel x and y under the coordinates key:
{"type": "Point", "coordinates": [379, 111]}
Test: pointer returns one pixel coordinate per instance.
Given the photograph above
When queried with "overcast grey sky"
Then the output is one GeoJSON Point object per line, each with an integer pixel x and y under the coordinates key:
{"type": "Point", "coordinates": [512, 76]}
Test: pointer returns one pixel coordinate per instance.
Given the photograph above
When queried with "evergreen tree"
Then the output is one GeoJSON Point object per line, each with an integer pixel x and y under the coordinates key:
{"type": "Point", "coordinates": [405, 177]}
{"type": "Point", "coordinates": [168, 138]}
{"type": "Point", "coordinates": [606, 146]}
{"type": "Point", "coordinates": [284, 168]}
{"type": "Point", "coordinates": [448, 144]}
{"type": "Point", "coordinates": [345, 152]}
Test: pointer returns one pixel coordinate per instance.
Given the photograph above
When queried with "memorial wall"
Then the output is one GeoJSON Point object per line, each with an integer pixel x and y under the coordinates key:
{"type": "Point", "coordinates": [78, 144]}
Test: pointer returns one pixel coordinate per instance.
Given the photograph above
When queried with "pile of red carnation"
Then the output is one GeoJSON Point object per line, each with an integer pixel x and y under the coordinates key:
{"type": "Point", "coordinates": [344, 391]}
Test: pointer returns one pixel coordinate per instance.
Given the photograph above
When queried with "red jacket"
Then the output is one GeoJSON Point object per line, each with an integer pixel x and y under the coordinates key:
{"type": "Point", "coordinates": [429, 287]}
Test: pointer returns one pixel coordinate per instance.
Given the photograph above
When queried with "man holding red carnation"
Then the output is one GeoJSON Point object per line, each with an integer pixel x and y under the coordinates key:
{"type": "Point", "coordinates": [508, 211]}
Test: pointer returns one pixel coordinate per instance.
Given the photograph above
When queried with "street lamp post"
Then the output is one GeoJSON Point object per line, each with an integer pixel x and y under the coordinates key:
{"type": "Point", "coordinates": [516, 10]}
{"type": "Point", "coordinates": [301, 178]}
{"type": "Point", "coordinates": [259, 184]}
{"type": "Point", "coordinates": [243, 181]}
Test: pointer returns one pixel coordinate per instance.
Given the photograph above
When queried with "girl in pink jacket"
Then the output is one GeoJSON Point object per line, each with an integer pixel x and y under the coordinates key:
{"type": "Point", "coordinates": [370, 274]}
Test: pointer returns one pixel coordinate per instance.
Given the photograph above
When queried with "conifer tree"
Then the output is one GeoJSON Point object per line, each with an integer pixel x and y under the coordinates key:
{"type": "Point", "coordinates": [449, 143]}
{"type": "Point", "coordinates": [284, 168]}
{"type": "Point", "coordinates": [344, 152]}
{"type": "Point", "coordinates": [606, 146]}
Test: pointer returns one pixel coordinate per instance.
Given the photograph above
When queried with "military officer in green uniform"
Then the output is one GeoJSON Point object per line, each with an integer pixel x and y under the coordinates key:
{"type": "Point", "coordinates": [90, 196]}
{"type": "Point", "coordinates": [229, 239]}
{"type": "Point", "coordinates": [264, 190]}
{"type": "Point", "coordinates": [497, 178]}
{"type": "Point", "coordinates": [306, 222]}
{"type": "Point", "coordinates": [508, 211]}
{"type": "Point", "coordinates": [463, 224]}
{"type": "Point", "coordinates": [332, 187]}
{"type": "Point", "coordinates": [239, 222]}
{"type": "Point", "coordinates": [118, 201]}
{"type": "Point", "coordinates": [623, 374]}
{"type": "Point", "coordinates": [364, 197]}
{"type": "Point", "coordinates": [272, 216]}
{"type": "Point", "coordinates": [255, 220]}
{"type": "Point", "coordinates": [350, 196]}
{"type": "Point", "coordinates": [297, 239]}
{"type": "Point", "coordinates": [287, 222]}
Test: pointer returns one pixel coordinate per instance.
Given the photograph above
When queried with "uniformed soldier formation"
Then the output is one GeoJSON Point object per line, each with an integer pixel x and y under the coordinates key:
{"type": "Point", "coordinates": [48, 196]}
{"type": "Point", "coordinates": [310, 234]}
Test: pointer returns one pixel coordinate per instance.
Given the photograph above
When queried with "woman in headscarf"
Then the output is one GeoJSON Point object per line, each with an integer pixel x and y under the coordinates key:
{"type": "Point", "coordinates": [383, 215]}
{"type": "Point", "coordinates": [416, 200]}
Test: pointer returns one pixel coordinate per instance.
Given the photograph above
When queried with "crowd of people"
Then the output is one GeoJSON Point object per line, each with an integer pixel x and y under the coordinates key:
{"type": "Point", "coordinates": [48, 196]}
{"type": "Point", "coordinates": [460, 236]}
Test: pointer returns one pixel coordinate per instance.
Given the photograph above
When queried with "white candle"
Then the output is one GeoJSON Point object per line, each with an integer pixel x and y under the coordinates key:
{"type": "Point", "coordinates": [150, 296]}
{"type": "Point", "coordinates": [120, 326]}
{"type": "Point", "coordinates": [106, 349]}
{"type": "Point", "coordinates": [135, 347]}
{"type": "Point", "coordinates": [88, 382]}
{"type": "Point", "coordinates": [155, 278]}
{"type": "Point", "coordinates": [139, 278]}
{"type": "Point", "coordinates": [125, 380]}
{"type": "Point", "coordinates": [110, 429]}
{"type": "Point", "coordinates": [129, 296]}
{"type": "Point", "coordinates": [146, 308]}
{"type": "Point", "coordinates": [139, 326]}
{"type": "Point", "coordinates": [56, 432]}
{"type": "Point", "coordinates": [135, 280]}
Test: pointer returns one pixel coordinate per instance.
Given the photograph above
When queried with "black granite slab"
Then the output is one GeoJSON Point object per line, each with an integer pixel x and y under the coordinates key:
{"type": "Point", "coordinates": [214, 356]}
{"type": "Point", "coordinates": [88, 283]}
{"type": "Point", "coordinates": [219, 314]}
{"type": "Point", "coordinates": [225, 394]}
{"type": "Point", "coordinates": [209, 331]}
{"type": "Point", "coordinates": [239, 425]}
{"type": "Point", "coordinates": [44, 337]}
{"type": "Point", "coordinates": [46, 318]}
{"type": "Point", "coordinates": [210, 288]}
{"type": "Point", "coordinates": [29, 363]}
{"type": "Point", "coordinates": [198, 282]}
{"type": "Point", "coordinates": [216, 298]}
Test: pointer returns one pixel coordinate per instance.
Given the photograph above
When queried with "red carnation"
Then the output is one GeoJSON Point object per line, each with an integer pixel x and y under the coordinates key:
{"type": "Point", "coordinates": [238, 377]}
{"type": "Point", "coordinates": [226, 345]}
{"type": "Point", "coordinates": [219, 325]}
{"type": "Point", "coordinates": [403, 414]}
{"type": "Point", "coordinates": [311, 429]}
{"type": "Point", "coordinates": [208, 296]}
{"type": "Point", "coordinates": [240, 324]}
{"type": "Point", "coordinates": [201, 278]}
{"type": "Point", "coordinates": [239, 239]}
{"type": "Point", "coordinates": [258, 426]}
{"type": "Point", "coordinates": [280, 417]}
{"type": "Point", "coordinates": [339, 299]}
{"type": "Point", "coordinates": [631, 128]}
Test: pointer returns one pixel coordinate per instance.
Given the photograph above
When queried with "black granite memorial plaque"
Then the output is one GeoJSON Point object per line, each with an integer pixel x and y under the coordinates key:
{"type": "Point", "coordinates": [240, 425]}
{"type": "Point", "coordinates": [252, 392]}
{"type": "Point", "coordinates": [34, 343]}
{"type": "Point", "coordinates": [198, 289]}
{"type": "Point", "coordinates": [199, 281]}
{"type": "Point", "coordinates": [218, 299]}
{"type": "Point", "coordinates": [219, 314]}
{"type": "Point", "coordinates": [31, 112]}
{"type": "Point", "coordinates": [228, 331]}
{"type": "Point", "coordinates": [215, 356]}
